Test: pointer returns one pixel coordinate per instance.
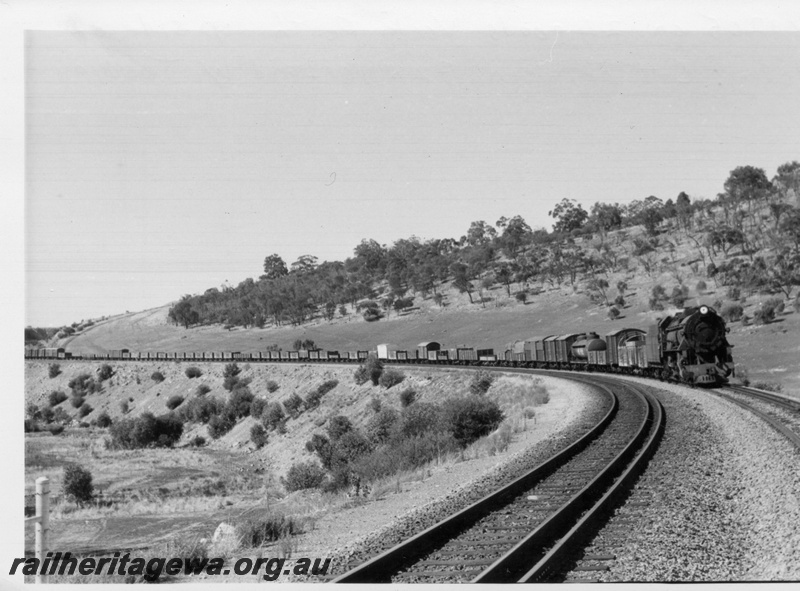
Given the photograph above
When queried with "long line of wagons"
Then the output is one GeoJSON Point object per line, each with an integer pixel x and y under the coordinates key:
{"type": "Point", "coordinates": [690, 346]}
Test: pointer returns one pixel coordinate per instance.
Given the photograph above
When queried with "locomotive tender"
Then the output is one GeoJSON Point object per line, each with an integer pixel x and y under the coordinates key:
{"type": "Point", "coordinates": [689, 346]}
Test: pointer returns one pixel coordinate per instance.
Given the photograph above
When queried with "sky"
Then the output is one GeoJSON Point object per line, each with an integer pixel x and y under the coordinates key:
{"type": "Point", "coordinates": [159, 163]}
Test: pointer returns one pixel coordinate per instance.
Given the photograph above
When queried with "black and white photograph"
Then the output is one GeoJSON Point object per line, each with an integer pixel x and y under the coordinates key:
{"type": "Point", "coordinates": [374, 293]}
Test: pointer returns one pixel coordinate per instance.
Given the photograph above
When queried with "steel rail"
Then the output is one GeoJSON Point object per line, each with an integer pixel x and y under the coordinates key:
{"type": "Point", "coordinates": [783, 402]}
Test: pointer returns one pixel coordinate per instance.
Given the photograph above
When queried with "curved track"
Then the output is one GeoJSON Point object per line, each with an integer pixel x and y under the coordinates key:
{"type": "Point", "coordinates": [780, 412]}
{"type": "Point", "coordinates": [543, 516]}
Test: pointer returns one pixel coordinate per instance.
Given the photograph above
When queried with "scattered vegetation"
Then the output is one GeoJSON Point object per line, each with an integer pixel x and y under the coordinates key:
{"type": "Point", "coordinates": [78, 484]}
{"type": "Point", "coordinates": [157, 377]}
{"type": "Point", "coordinates": [53, 370]}
{"type": "Point", "coordinates": [391, 377]}
{"type": "Point", "coordinates": [174, 401]}
{"type": "Point", "coordinates": [193, 372]}
{"type": "Point", "coordinates": [146, 430]}
{"type": "Point", "coordinates": [304, 475]}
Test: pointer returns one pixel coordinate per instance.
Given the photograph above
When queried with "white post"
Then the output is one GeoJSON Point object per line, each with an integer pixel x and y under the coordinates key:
{"type": "Point", "coordinates": [43, 522]}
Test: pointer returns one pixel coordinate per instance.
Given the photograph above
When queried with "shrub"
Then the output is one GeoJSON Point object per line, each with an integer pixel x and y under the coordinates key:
{"type": "Point", "coordinates": [272, 386]}
{"type": "Point", "coordinates": [613, 313]}
{"type": "Point", "coordinates": [372, 314]}
{"type": "Point", "coordinates": [352, 445]}
{"type": "Point", "coordinates": [198, 441]}
{"type": "Point", "coordinates": [764, 314]}
{"type": "Point", "coordinates": [56, 397]}
{"type": "Point", "coordinates": [371, 369]}
{"type": "Point", "coordinates": [123, 407]}
{"type": "Point", "coordinates": [103, 420]}
{"type": "Point", "coordinates": [55, 429]}
{"type": "Point", "coordinates": [407, 397]}
{"type": "Point", "coordinates": [734, 292]}
{"type": "Point", "coordinates": [239, 402]}
{"type": "Point", "coordinates": [174, 402]}
{"type": "Point", "coordinates": [157, 377]}
{"type": "Point", "coordinates": [796, 303]}
{"type": "Point", "coordinates": [254, 533]}
{"type": "Point", "coordinates": [293, 405]}
{"type": "Point", "coordinates": [231, 370]}
{"type": "Point", "coordinates": [701, 287]}
{"type": "Point", "coordinates": [320, 445]}
{"type": "Point", "coordinates": [382, 424]}
{"type": "Point", "coordinates": [257, 407]}
{"type": "Point", "coordinates": [655, 304]}
{"type": "Point", "coordinates": [391, 377]}
{"type": "Point", "coordinates": [777, 304]}
{"type": "Point", "coordinates": [273, 415]}
{"type": "Point", "coordinates": [258, 435]}
{"type": "Point", "coordinates": [77, 401]}
{"type": "Point", "coordinates": [327, 386]}
{"type": "Point", "coordinates": [31, 426]}
{"type": "Point", "coordinates": [220, 424]}
{"type": "Point", "coordinates": [338, 426]}
{"type": "Point", "coordinates": [481, 382]}
{"type": "Point", "coordinates": [731, 312]}
{"type": "Point", "coordinates": [84, 410]}
{"type": "Point", "coordinates": [78, 484]}
{"type": "Point", "coordinates": [193, 372]}
{"type": "Point", "coordinates": [200, 410]}
{"type": "Point", "coordinates": [420, 418]}
{"type": "Point", "coordinates": [375, 404]}
{"type": "Point", "coordinates": [203, 389]}
{"type": "Point", "coordinates": [104, 372]}
{"type": "Point", "coordinates": [619, 301]}
{"type": "Point", "coordinates": [471, 418]}
{"type": "Point", "coordinates": [53, 370]}
{"type": "Point", "coordinates": [312, 399]}
{"type": "Point", "coordinates": [146, 430]}
{"type": "Point", "coordinates": [83, 385]}
{"type": "Point", "coordinates": [304, 475]}
{"type": "Point", "coordinates": [521, 296]}
{"type": "Point", "coordinates": [47, 414]}
{"type": "Point", "coordinates": [768, 386]}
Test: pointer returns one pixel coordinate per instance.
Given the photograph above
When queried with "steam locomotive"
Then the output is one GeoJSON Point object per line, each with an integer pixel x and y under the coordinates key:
{"type": "Point", "coordinates": [690, 346]}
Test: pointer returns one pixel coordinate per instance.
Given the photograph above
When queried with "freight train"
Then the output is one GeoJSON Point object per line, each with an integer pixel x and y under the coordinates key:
{"type": "Point", "coordinates": [690, 346]}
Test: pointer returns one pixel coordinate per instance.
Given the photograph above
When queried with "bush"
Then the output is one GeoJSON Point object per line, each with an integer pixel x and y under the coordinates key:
{"type": "Point", "coordinates": [272, 386]}
{"type": "Point", "coordinates": [312, 400]}
{"type": "Point", "coordinates": [174, 402]}
{"type": "Point", "coordinates": [619, 301]}
{"type": "Point", "coordinates": [351, 445]}
{"type": "Point", "coordinates": [420, 418]}
{"type": "Point", "coordinates": [655, 304]}
{"type": "Point", "coordinates": [678, 296]}
{"type": "Point", "coordinates": [83, 385]}
{"type": "Point", "coordinates": [55, 429]}
{"type": "Point", "coordinates": [231, 370]}
{"type": "Point", "coordinates": [157, 377]}
{"type": "Point", "coordinates": [53, 370]}
{"type": "Point", "coordinates": [103, 420]}
{"type": "Point", "coordinates": [521, 296]}
{"type": "Point", "coordinates": [203, 389]}
{"type": "Point", "coordinates": [407, 397]}
{"type": "Point", "coordinates": [375, 404]}
{"type": "Point", "coordinates": [701, 287]}
{"type": "Point", "coordinates": [193, 372]}
{"type": "Point", "coordinates": [796, 303]}
{"type": "Point", "coordinates": [273, 415]}
{"type": "Point", "coordinates": [371, 369]}
{"type": "Point", "coordinates": [613, 313]}
{"type": "Point", "coordinates": [764, 314]}
{"type": "Point", "coordinates": [382, 424]}
{"type": "Point", "coordinates": [123, 407]}
{"type": "Point", "coordinates": [258, 435]}
{"type": "Point", "coordinates": [200, 410]}
{"type": "Point", "coordinates": [56, 397]}
{"type": "Point", "coordinates": [471, 418]}
{"type": "Point", "coordinates": [320, 445]}
{"type": "Point", "coordinates": [293, 405]}
{"type": "Point", "coordinates": [304, 475]}
{"type": "Point", "coordinates": [239, 402]}
{"type": "Point", "coordinates": [47, 414]}
{"type": "Point", "coordinates": [198, 441]}
{"type": "Point", "coordinates": [481, 382]}
{"type": "Point", "coordinates": [391, 377]}
{"type": "Point", "coordinates": [146, 431]}
{"type": "Point", "coordinates": [257, 407]}
{"type": "Point", "coordinates": [77, 401]}
{"type": "Point", "coordinates": [78, 484]}
{"type": "Point", "coordinates": [327, 386]}
{"type": "Point", "coordinates": [777, 304]}
{"type": "Point", "coordinates": [731, 312]}
{"type": "Point", "coordinates": [734, 292]}
{"type": "Point", "coordinates": [219, 425]}
{"type": "Point", "coordinates": [372, 314]}
{"type": "Point", "coordinates": [84, 410]}
{"type": "Point", "coordinates": [104, 372]}
{"type": "Point", "coordinates": [338, 426]}
{"type": "Point", "coordinates": [254, 533]}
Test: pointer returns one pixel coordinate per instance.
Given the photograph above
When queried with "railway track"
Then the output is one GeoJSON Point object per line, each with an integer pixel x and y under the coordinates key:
{"type": "Point", "coordinates": [530, 529]}
{"type": "Point", "coordinates": [781, 412]}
